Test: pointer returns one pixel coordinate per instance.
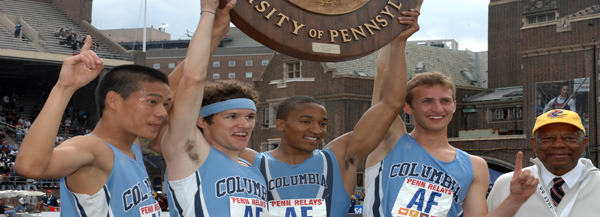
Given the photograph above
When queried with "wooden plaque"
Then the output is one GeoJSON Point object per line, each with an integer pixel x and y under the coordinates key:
{"type": "Point", "coordinates": [322, 30]}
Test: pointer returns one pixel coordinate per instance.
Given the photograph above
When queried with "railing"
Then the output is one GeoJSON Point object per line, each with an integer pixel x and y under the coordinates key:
{"type": "Point", "coordinates": [8, 21]}
{"type": "Point", "coordinates": [21, 183]}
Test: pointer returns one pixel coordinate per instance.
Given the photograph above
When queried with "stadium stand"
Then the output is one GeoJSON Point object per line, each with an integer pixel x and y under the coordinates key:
{"type": "Point", "coordinates": [8, 41]}
{"type": "Point", "coordinates": [29, 67]}
{"type": "Point", "coordinates": [44, 18]}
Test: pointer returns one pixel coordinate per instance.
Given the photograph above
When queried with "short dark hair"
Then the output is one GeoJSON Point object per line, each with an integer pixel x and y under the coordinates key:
{"type": "Point", "coordinates": [225, 90]}
{"type": "Point", "coordinates": [125, 80]}
{"type": "Point", "coordinates": [288, 105]}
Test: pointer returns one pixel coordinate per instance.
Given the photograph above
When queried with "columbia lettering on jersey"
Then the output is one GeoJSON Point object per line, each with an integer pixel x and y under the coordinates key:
{"type": "Point", "coordinates": [236, 184]}
{"type": "Point", "coordinates": [433, 175]}
{"type": "Point", "coordinates": [300, 179]}
{"type": "Point", "coordinates": [136, 194]}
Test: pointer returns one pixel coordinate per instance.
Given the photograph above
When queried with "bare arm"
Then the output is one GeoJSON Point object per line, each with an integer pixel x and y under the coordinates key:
{"type": "Point", "coordinates": [248, 154]}
{"type": "Point", "coordinates": [220, 28]}
{"type": "Point", "coordinates": [370, 129]}
{"type": "Point", "coordinates": [182, 139]}
{"type": "Point", "coordinates": [373, 125]}
{"type": "Point", "coordinates": [474, 203]}
{"type": "Point", "coordinates": [37, 156]}
{"type": "Point", "coordinates": [397, 128]}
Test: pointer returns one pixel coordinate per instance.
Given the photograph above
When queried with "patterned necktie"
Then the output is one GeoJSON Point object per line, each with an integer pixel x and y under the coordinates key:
{"type": "Point", "coordinates": [557, 192]}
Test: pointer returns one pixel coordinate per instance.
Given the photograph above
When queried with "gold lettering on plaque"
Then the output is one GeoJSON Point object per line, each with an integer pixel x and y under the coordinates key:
{"type": "Point", "coordinates": [334, 35]}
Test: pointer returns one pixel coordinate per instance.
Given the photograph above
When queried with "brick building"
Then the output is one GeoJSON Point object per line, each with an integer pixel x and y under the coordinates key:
{"type": "Point", "coordinates": [532, 44]}
{"type": "Point", "coordinates": [237, 57]}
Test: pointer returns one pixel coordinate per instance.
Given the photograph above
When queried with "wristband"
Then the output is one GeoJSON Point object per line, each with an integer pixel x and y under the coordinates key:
{"type": "Point", "coordinates": [207, 11]}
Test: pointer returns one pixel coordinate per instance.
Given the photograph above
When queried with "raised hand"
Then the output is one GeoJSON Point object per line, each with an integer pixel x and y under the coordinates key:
{"type": "Point", "coordinates": [79, 70]}
{"type": "Point", "coordinates": [409, 18]}
{"type": "Point", "coordinates": [523, 184]}
{"type": "Point", "coordinates": [209, 5]}
{"type": "Point", "coordinates": [221, 25]}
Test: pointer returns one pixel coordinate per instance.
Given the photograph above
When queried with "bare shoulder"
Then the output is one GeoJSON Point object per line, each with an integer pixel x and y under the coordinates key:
{"type": "Point", "coordinates": [477, 161]}
{"type": "Point", "coordinates": [480, 167]}
{"type": "Point", "coordinates": [338, 145]}
{"type": "Point", "coordinates": [89, 145]}
{"type": "Point", "coordinates": [86, 144]}
{"type": "Point", "coordinates": [248, 154]}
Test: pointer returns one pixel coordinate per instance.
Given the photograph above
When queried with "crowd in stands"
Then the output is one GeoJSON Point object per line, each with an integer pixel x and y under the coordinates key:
{"type": "Point", "coordinates": [68, 36]}
{"type": "Point", "coordinates": [15, 123]}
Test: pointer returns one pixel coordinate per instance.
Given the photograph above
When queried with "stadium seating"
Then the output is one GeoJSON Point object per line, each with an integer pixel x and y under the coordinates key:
{"type": "Point", "coordinates": [44, 18]}
{"type": "Point", "coordinates": [8, 41]}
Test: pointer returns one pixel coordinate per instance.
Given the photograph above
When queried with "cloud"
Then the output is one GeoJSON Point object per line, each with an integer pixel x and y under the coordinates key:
{"type": "Point", "coordinates": [466, 21]}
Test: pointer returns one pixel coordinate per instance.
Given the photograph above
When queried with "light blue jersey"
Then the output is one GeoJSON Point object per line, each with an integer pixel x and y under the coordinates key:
{"type": "Point", "coordinates": [221, 187]}
{"type": "Point", "coordinates": [295, 188]}
{"type": "Point", "coordinates": [127, 192]}
{"type": "Point", "coordinates": [411, 182]}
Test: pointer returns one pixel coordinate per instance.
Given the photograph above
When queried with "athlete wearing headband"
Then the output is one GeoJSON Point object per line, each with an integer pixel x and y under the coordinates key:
{"type": "Point", "coordinates": [208, 125]}
{"type": "Point", "coordinates": [239, 103]}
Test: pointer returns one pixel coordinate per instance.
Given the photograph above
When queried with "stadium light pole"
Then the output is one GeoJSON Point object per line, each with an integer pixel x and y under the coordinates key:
{"type": "Point", "coordinates": [144, 39]}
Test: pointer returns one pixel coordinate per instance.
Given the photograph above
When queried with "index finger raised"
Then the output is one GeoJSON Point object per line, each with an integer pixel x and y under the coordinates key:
{"type": "Point", "coordinates": [518, 164]}
{"type": "Point", "coordinates": [87, 44]}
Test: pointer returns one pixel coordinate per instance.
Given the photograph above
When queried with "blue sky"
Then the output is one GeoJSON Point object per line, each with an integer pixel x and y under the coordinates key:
{"type": "Point", "coordinates": [463, 20]}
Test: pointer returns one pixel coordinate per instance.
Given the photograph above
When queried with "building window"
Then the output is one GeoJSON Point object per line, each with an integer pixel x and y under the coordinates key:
{"type": "Point", "coordinates": [157, 65]}
{"type": "Point", "coordinates": [420, 67]}
{"type": "Point", "coordinates": [507, 114]}
{"type": "Point", "coordinates": [216, 76]}
{"type": "Point", "coordinates": [248, 74]}
{"type": "Point", "coordinates": [171, 65]}
{"type": "Point", "coordinates": [231, 63]}
{"type": "Point", "coordinates": [248, 62]}
{"type": "Point", "coordinates": [268, 115]}
{"type": "Point", "coordinates": [541, 18]}
{"type": "Point", "coordinates": [265, 62]}
{"type": "Point", "coordinates": [268, 146]}
{"type": "Point", "coordinates": [499, 114]}
{"type": "Point", "coordinates": [216, 64]}
{"type": "Point", "coordinates": [515, 114]}
{"type": "Point", "coordinates": [407, 119]}
{"type": "Point", "coordinates": [292, 69]}
{"type": "Point", "coordinates": [232, 75]}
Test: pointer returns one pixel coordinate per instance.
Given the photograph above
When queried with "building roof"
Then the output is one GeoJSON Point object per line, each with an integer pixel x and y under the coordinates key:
{"type": "Point", "coordinates": [239, 39]}
{"type": "Point", "coordinates": [166, 53]}
{"type": "Point", "coordinates": [498, 94]}
{"type": "Point", "coordinates": [464, 67]}
{"type": "Point", "coordinates": [243, 51]}
{"type": "Point", "coordinates": [235, 43]}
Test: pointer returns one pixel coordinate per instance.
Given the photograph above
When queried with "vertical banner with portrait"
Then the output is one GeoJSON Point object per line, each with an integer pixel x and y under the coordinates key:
{"type": "Point", "coordinates": [566, 94]}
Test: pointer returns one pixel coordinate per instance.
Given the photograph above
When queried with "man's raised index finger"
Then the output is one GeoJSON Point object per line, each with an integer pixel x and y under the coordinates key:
{"type": "Point", "coordinates": [518, 164]}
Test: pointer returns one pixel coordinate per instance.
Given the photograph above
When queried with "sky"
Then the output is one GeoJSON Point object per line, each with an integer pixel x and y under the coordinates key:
{"type": "Point", "coordinates": [465, 21]}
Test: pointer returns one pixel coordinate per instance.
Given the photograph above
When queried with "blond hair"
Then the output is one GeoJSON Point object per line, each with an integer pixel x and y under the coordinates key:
{"type": "Point", "coordinates": [429, 79]}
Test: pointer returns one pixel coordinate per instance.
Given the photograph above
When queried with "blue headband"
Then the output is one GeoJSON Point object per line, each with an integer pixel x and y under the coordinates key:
{"type": "Point", "coordinates": [239, 103]}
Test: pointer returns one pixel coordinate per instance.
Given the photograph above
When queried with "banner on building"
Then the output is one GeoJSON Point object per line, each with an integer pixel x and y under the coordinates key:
{"type": "Point", "coordinates": [564, 94]}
